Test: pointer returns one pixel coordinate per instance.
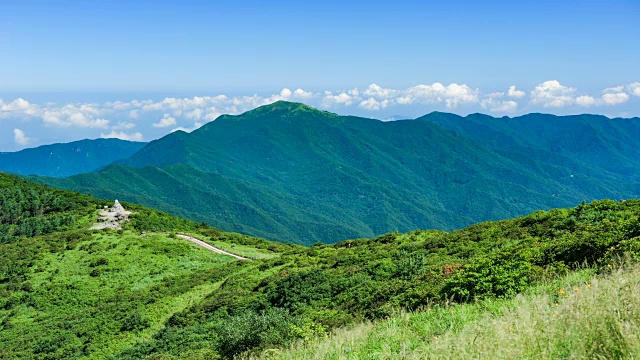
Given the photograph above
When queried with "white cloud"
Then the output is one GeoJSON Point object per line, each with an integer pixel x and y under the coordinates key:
{"type": "Point", "coordinates": [452, 95]}
{"type": "Point", "coordinates": [552, 94]}
{"type": "Point", "coordinates": [19, 104]}
{"type": "Point", "coordinates": [285, 93]}
{"type": "Point", "coordinates": [343, 98]}
{"type": "Point", "coordinates": [301, 94]}
{"type": "Point", "coordinates": [18, 107]}
{"type": "Point", "coordinates": [494, 105]}
{"type": "Point", "coordinates": [615, 98]}
{"type": "Point", "coordinates": [379, 92]}
{"type": "Point", "coordinates": [195, 114]}
{"type": "Point", "coordinates": [124, 125]}
{"type": "Point", "coordinates": [66, 117]}
{"type": "Point", "coordinates": [20, 137]}
{"type": "Point", "coordinates": [634, 88]}
{"type": "Point", "coordinates": [585, 100]}
{"type": "Point", "coordinates": [137, 136]}
{"type": "Point", "coordinates": [372, 104]}
{"type": "Point", "coordinates": [118, 105]}
{"type": "Point", "coordinates": [514, 93]}
{"type": "Point", "coordinates": [616, 89]}
{"type": "Point", "coordinates": [166, 121]}
{"type": "Point", "coordinates": [134, 114]}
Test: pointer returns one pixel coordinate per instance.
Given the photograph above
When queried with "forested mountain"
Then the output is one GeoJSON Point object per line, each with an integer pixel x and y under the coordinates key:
{"type": "Point", "coordinates": [595, 144]}
{"type": "Point", "coordinates": [60, 160]}
{"type": "Point", "coordinates": [290, 172]}
{"type": "Point", "coordinates": [141, 292]}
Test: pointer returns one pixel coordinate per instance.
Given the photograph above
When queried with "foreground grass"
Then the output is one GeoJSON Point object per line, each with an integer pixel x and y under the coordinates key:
{"type": "Point", "coordinates": [578, 316]}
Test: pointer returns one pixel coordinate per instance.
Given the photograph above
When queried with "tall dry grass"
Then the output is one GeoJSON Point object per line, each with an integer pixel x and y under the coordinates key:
{"type": "Point", "coordinates": [581, 316]}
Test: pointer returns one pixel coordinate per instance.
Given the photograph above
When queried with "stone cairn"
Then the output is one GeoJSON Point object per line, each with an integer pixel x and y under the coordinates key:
{"type": "Point", "coordinates": [118, 211]}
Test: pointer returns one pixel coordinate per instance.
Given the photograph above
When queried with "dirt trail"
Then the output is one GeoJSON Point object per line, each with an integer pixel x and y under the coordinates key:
{"type": "Point", "coordinates": [207, 246]}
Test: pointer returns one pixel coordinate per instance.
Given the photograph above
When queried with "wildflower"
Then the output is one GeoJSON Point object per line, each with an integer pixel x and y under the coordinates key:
{"type": "Point", "coordinates": [588, 286]}
{"type": "Point", "coordinates": [576, 289]}
{"type": "Point", "coordinates": [560, 292]}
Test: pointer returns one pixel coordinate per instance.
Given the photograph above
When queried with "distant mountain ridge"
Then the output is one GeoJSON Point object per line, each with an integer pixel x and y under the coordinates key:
{"type": "Point", "coordinates": [289, 172]}
{"type": "Point", "coordinates": [592, 140]}
{"type": "Point", "coordinates": [66, 159]}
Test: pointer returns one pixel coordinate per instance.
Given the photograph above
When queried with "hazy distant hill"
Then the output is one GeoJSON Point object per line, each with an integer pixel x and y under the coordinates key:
{"type": "Point", "coordinates": [60, 160]}
{"type": "Point", "coordinates": [289, 172]}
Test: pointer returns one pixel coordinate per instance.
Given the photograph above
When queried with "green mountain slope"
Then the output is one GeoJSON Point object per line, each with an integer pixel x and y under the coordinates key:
{"type": "Point", "coordinates": [579, 142]}
{"type": "Point", "coordinates": [226, 203]}
{"type": "Point", "coordinates": [297, 174]}
{"type": "Point", "coordinates": [68, 292]}
{"type": "Point", "coordinates": [323, 287]}
{"type": "Point", "coordinates": [60, 160]}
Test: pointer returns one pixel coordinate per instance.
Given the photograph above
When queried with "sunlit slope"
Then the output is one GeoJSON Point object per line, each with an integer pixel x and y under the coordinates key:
{"type": "Point", "coordinates": [68, 292]}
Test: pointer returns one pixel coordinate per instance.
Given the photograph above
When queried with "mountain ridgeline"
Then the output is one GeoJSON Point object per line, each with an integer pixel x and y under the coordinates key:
{"type": "Point", "coordinates": [60, 160]}
{"type": "Point", "coordinates": [292, 173]}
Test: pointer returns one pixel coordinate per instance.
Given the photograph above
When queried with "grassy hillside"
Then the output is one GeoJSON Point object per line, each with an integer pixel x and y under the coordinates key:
{"type": "Point", "coordinates": [578, 316]}
{"type": "Point", "coordinates": [292, 173]}
{"type": "Point", "coordinates": [67, 292]}
{"type": "Point", "coordinates": [60, 160]}
{"type": "Point", "coordinates": [72, 293]}
{"type": "Point", "coordinates": [305, 293]}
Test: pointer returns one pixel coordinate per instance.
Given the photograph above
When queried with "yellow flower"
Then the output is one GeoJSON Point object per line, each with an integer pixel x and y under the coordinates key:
{"type": "Point", "coordinates": [576, 289]}
{"type": "Point", "coordinates": [560, 292]}
{"type": "Point", "coordinates": [588, 286]}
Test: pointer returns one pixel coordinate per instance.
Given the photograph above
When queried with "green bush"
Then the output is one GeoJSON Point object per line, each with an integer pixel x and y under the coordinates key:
{"type": "Point", "coordinates": [135, 321]}
{"type": "Point", "coordinates": [253, 330]}
{"type": "Point", "coordinates": [489, 277]}
{"type": "Point", "coordinates": [95, 272]}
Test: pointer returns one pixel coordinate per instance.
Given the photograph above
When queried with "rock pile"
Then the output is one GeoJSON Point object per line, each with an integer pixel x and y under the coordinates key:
{"type": "Point", "coordinates": [117, 208]}
{"type": "Point", "coordinates": [112, 217]}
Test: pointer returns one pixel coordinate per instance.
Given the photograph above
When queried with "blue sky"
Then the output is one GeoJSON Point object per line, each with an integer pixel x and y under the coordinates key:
{"type": "Point", "coordinates": [90, 53]}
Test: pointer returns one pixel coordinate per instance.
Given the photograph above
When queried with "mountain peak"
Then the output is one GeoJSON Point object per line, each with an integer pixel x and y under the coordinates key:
{"type": "Point", "coordinates": [439, 115]}
{"type": "Point", "coordinates": [287, 107]}
{"type": "Point", "coordinates": [283, 104]}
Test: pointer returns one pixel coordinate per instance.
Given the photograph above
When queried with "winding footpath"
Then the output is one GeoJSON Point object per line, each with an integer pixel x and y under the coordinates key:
{"type": "Point", "coordinates": [207, 246]}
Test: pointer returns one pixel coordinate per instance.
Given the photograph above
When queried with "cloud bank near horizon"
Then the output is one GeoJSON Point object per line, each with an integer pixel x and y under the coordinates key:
{"type": "Point", "coordinates": [141, 120]}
